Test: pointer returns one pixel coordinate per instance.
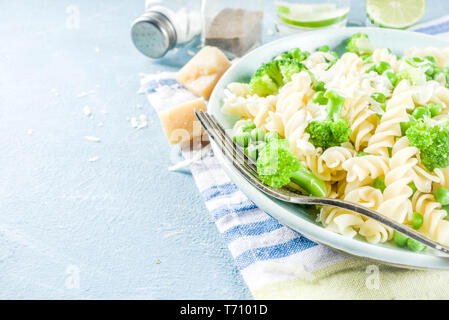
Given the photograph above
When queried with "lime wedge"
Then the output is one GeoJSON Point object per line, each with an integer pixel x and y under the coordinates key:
{"type": "Point", "coordinates": [310, 16]}
{"type": "Point", "coordinates": [397, 14]}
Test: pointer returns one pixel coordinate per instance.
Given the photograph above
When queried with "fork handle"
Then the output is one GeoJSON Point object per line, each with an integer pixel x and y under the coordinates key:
{"type": "Point", "coordinates": [407, 231]}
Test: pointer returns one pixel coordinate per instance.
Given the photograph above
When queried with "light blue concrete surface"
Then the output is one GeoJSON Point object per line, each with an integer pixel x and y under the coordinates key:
{"type": "Point", "coordinates": [121, 227]}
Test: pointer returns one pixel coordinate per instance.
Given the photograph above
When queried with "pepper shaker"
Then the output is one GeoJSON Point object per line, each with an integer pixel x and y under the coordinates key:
{"type": "Point", "coordinates": [233, 26]}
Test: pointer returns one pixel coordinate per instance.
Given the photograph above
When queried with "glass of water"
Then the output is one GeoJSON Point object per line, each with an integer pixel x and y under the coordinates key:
{"type": "Point", "coordinates": [305, 15]}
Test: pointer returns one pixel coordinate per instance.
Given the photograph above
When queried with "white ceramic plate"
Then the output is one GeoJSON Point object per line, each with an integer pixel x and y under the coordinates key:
{"type": "Point", "coordinates": [294, 216]}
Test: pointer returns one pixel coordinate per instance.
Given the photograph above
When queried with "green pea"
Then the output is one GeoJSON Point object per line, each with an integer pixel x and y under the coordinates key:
{"type": "Point", "coordinates": [382, 66]}
{"type": "Point", "coordinates": [413, 187]}
{"type": "Point", "coordinates": [417, 220]}
{"type": "Point", "coordinates": [257, 134]}
{"type": "Point", "coordinates": [435, 108]}
{"type": "Point", "coordinates": [272, 135]}
{"type": "Point", "coordinates": [415, 246]}
{"type": "Point", "coordinates": [430, 72]}
{"type": "Point", "coordinates": [320, 98]}
{"type": "Point", "coordinates": [367, 58]}
{"type": "Point", "coordinates": [248, 126]}
{"type": "Point", "coordinates": [390, 151]}
{"type": "Point", "coordinates": [361, 154]}
{"type": "Point", "coordinates": [442, 196]}
{"type": "Point", "coordinates": [405, 125]}
{"type": "Point", "coordinates": [319, 86]}
{"type": "Point", "coordinates": [335, 55]}
{"type": "Point", "coordinates": [379, 97]}
{"type": "Point", "coordinates": [379, 183]}
{"type": "Point", "coordinates": [392, 77]}
{"type": "Point", "coordinates": [421, 112]}
{"type": "Point", "coordinates": [324, 49]}
{"type": "Point", "coordinates": [431, 59]}
{"type": "Point", "coordinates": [242, 139]}
{"type": "Point", "coordinates": [399, 239]}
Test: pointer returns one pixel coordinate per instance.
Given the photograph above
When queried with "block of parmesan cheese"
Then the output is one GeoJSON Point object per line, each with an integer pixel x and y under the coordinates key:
{"type": "Point", "coordinates": [180, 123]}
{"type": "Point", "coordinates": [201, 73]}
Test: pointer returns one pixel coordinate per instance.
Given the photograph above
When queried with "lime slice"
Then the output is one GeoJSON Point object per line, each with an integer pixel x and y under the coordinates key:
{"type": "Point", "coordinates": [310, 16]}
{"type": "Point", "coordinates": [398, 14]}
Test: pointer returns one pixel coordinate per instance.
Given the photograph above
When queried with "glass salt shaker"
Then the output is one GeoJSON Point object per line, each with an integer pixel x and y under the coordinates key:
{"type": "Point", "coordinates": [233, 26]}
{"type": "Point", "coordinates": [166, 25]}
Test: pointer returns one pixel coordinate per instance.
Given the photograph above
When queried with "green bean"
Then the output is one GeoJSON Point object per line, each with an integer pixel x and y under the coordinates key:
{"type": "Point", "coordinates": [417, 220]}
{"type": "Point", "coordinates": [252, 151]}
{"type": "Point", "coordinates": [309, 182]}
{"type": "Point", "coordinates": [442, 196]}
{"type": "Point", "coordinates": [415, 246]}
{"type": "Point", "coordinates": [257, 134]}
{"type": "Point", "coordinates": [399, 239]}
{"type": "Point", "coordinates": [242, 139]}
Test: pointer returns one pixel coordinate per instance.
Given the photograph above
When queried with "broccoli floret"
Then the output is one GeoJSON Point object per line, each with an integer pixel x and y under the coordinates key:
{"type": "Point", "coordinates": [273, 75]}
{"type": "Point", "coordinates": [276, 163]}
{"type": "Point", "coordinates": [334, 130]}
{"type": "Point", "coordinates": [432, 142]}
{"type": "Point", "coordinates": [295, 54]}
{"type": "Point", "coordinates": [289, 67]}
{"type": "Point", "coordinates": [277, 166]}
{"type": "Point", "coordinates": [413, 75]}
{"type": "Point", "coordinates": [262, 83]}
{"type": "Point", "coordinates": [360, 44]}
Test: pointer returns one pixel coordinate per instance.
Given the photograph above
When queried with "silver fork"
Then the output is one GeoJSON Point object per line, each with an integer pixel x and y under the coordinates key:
{"type": "Point", "coordinates": [247, 168]}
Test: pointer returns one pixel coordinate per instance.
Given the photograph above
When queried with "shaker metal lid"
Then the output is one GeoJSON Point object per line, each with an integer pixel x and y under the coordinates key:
{"type": "Point", "coordinates": [153, 34]}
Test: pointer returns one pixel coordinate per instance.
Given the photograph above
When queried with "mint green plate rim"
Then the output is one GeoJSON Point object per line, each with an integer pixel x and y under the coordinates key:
{"type": "Point", "coordinates": [297, 217]}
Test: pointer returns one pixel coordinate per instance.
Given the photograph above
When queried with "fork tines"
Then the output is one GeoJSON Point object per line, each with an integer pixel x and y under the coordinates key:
{"type": "Point", "coordinates": [230, 149]}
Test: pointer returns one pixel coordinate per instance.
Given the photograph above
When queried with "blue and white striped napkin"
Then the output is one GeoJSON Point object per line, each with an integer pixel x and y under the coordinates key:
{"type": "Point", "coordinates": [274, 260]}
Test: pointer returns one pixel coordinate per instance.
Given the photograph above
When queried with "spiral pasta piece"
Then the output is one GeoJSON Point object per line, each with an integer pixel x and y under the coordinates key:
{"type": "Point", "coordinates": [361, 168]}
{"type": "Point", "coordinates": [433, 224]}
{"type": "Point", "coordinates": [389, 127]}
{"type": "Point", "coordinates": [239, 102]}
{"type": "Point", "coordinates": [396, 195]}
{"type": "Point", "coordinates": [328, 165]}
{"type": "Point", "coordinates": [349, 223]}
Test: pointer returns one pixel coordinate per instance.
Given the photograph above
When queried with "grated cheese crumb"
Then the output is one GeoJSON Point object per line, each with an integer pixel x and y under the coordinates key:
{"type": "Point", "coordinates": [93, 159]}
{"type": "Point", "coordinates": [85, 93]}
{"type": "Point", "coordinates": [92, 138]}
{"type": "Point", "coordinates": [30, 132]}
{"type": "Point", "coordinates": [86, 110]}
{"type": "Point", "coordinates": [134, 122]}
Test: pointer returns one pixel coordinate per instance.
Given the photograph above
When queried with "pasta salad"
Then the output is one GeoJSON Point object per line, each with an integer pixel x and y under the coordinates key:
{"type": "Point", "coordinates": [366, 126]}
